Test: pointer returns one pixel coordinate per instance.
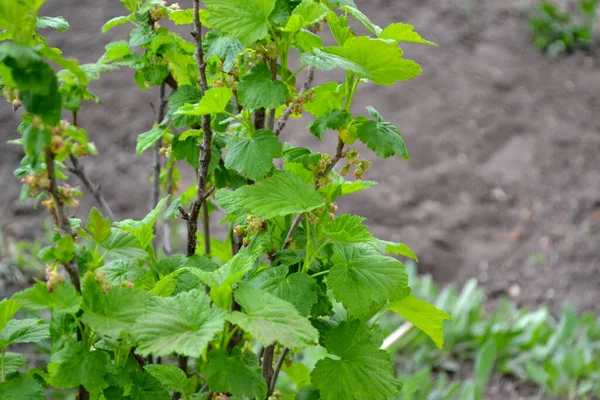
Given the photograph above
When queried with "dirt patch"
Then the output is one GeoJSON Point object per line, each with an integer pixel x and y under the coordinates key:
{"type": "Point", "coordinates": [504, 184]}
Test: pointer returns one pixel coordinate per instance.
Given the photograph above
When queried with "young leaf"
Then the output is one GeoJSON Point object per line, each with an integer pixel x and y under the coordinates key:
{"type": "Point", "coordinates": [307, 41]}
{"type": "Point", "coordinates": [146, 387]}
{"type": "Point", "coordinates": [361, 276]}
{"type": "Point", "coordinates": [282, 194]}
{"type": "Point", "coordinates": [397, 249]}
{"type": "Point", "coordinates": [381, 60]}
{"type": "Point", "coordinates": [182, 17]}
{"type": "Point", "coordinates": [347, 228]}
{"type": "Point", "coordinates": [75, 365]}
{"type": "Point", "coordinates": [334, 119]}
{"type": "Point", "coordinates": [327, 97]}
{"type": "Point", "coordinates": [11, 363]}
{"type": "Point", "coordinates": [8, 308]}
{"type": "Point", "coordinates": [257, 89]}
{"type": "Point", "coordinates": [124, 244]}
{"type": "Point", "coordinates": [333, 191]}
{"type": "Point", "coordinates": [98, 226]}
{"type": "Point", "coordinates": [29, 330]}
{"type": "Point", "coordinates": [187, 150]}
{"type": "Point", "coordinates": [183, 324]}
{"type": "Point", "coordinates": [238, 374]}
{"type": "Point", "coordinates": [362, 368]}
{"type": "Point", "coordinates": [363, 19]}
{"type": "Point", "coordinates": [225, 47]}
{"type": "Point", "coordinates": [215, 101]}
{"type": "Point", "coordinates": [246, 20]}
{"type": "Point", "coordinates": [115, 22]}
{"type": "Point", "coordinates": [64, 298]}
{"type": "Point", "coordinates": [306, 13]}
{"type": "Point", "coordinates": [58, 23]}
{"type": "Point", "coordinates": [21, 389]}
{"type": "Point", "coordinates": [327, 61]}
{"type": "Point", "coordinates": [382, 137]}
{"type": "Point", "coordinates": [270, 319]}
{"type": "Point", "coordinates": [185, 94]}
{"type": "Point", "coordinates": [403, 33]}
{"type": "Point", "coordinates": [147, 139]}
{"type": "Point", "coordinates": [297, 288]}
{"type": "Point", "coordinates": [170, 377]}
{"type": "Point", "coordinates": [253, 157]}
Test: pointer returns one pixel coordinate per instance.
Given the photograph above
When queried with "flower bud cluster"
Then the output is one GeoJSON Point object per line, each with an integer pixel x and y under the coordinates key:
{"type": "Point", "coordinates": [353, 162]}
{"type": "Point", "coordinates": [53, 278]}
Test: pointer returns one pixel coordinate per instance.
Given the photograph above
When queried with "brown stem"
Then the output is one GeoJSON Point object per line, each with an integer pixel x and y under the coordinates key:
{"type": "Point", "coordinates": [205, 147]}
{"type": "Point", "coordinates": [273, 68]}
{"type": "Point", "coordinates": [281, 123]}
{"type": "Point", "coordinates": [267, 364]}
{"type": "Point", "coordinates": [167, 223]}
{"type": "Point", "coordinates": [277, 370]}
{"type": "Point", "coordinates": [206, 226]}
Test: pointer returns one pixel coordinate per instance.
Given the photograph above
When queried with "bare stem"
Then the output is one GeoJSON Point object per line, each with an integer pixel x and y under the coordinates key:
{"type": "Point", "coordinates": [167, 223]}
{"type": "Point", "coordinates": [281, 123]}
{"type": "Point", "coordinates": [277, 370]}
{"type": "Point", "coordinates": [78, 170]}
{"type": "Point", "coordinates": [273, 68]}
{"type": "Point", "coordinates": [205, 147]}
{"type": "Point", "coordinates": [267, 364]}
{"type": "Point", "coordinates": [156, 155]}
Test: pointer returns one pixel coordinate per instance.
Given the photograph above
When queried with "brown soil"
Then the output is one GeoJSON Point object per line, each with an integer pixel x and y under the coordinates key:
{"type": "Point", "coordinates": [504, 183]}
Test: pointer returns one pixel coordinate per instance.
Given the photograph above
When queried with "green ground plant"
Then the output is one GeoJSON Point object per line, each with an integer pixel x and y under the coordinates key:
{"type": "Point", "coordinates": [292, 277]}
{"type": "Point", "coordinates": [556, 31]}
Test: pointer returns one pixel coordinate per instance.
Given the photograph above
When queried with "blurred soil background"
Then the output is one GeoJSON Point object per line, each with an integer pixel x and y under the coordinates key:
{"type": "Point", "coordinates": [504, 180]}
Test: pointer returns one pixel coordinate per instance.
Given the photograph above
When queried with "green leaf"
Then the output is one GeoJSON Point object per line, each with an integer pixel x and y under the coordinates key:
{"type": "Point", "coordinates": [484, 362]}
{"type": "Point", "coordinates": [146, 387]}
{"type": "Point", "coordinates": [327, 97]}
{"type": "Point", "coordinates": [115, 51]}
{"type": "Point", "coordinates": [403, 33]}
{"type": "Point", "coordinates": [121, 271]}
{"type": "Point", "coordinates": [64, 298]}
{"type": "Point", "coordinates": [115, 22]}
{"type": "Point", "coordinates": [257, 89]}
{"type": "Point", "coordinates": [246, 20]}
{"type": "Point", "coordinates": [183, 324]}
{"type": "Point", "coordinates": [182, 17]}
{"type": "Point", "coordinates": [397, 249]}
{"type": "Point", "coordinates": [297, 288]}
{"type": "Point", "coordinates": [98, 226]}
{"type": "Point", "coordinates": [239, 374]}
{"type": "Point", "coordinates": [282, 194]}
{"type": "Point", "coordinates": [75, 365]}
{"type": "Point", "coordinates": [58, 23]}
{"type": "Point", "coordinates": [253, 157]}
{"type": "Point", "coordinates": [187, 149]}
{"type": "Point", "coordinates": [12, 362]}
{"type": "Point", "coordinates": [185, 94]}
{"type": "Point", "coordinates": [363, 19]}
{"type": "Point", "coordinates": [8, 308]}
{"type": "Point", "coordinates": [142, 230]}
{"type": "Point", "coordinates": [361, 278]}
{"type": "Point", "coordinates": [131, 5]}
{"type": "Point", "coordinates": [140, 36]}
{"type": "Point", "coordinates": [306, 13]}
{"type": "Point", "coordinates": [225, 47]}
{"type": "Point", "coordinates": [327, 61]}
{"type": "Point", "coordinates": [215, 101]}
{"type": "Point", "coordinates": [347, 228]}
{"type": "Point", "coordinates": [338, 24]}
{"type": "Point", "coordinates": [424, 316]}
{"type": "Point", "coordinates": [30, 330]}
{"type": "Point", "coordinates": [382, 137]}
{"type": "Point", "coordinates": [21, 389]}
{"type": "Point", "coordinates": [270, 319]}
{"type": "Point", "coordinates": [147, 139]}
{"type": "Point", "coordinates": [307, 40]}
{"type": "Point", "coordinates": [170, 377]}
{"type": "Point", "coordinates": [362, 368]}
{"type": "Point", "coordinates": [34, 142]}
{"type": "Point", "coordinates": [333, 191]}
{"type": "Point", "coordinates": [124, 244]}
{"type": "Point", "coordinates": [381, 60]}
{"type": "Point", "coordinates": [334, 119]}
{"type": "Point", "coordinates": [113, 312]}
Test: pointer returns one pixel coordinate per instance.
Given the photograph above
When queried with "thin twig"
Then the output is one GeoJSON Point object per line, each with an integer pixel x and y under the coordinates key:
{"type": "Point", "coordinates": [281, 123]}
{"type": "Point", "coordinates": [396, 335]}
{"type": "Point", "coordinates": [267, 363]}
{"type": "Point", "coordinates": [78, 170]}
{"type": "Point", "coordinates": [167, 248]}
{"type": "Point", "coordinates": [139, 359]}
{"type": "Point", "coordinates": [277, 370]}
{"type": "Point", "coordinates": [271, 117]}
